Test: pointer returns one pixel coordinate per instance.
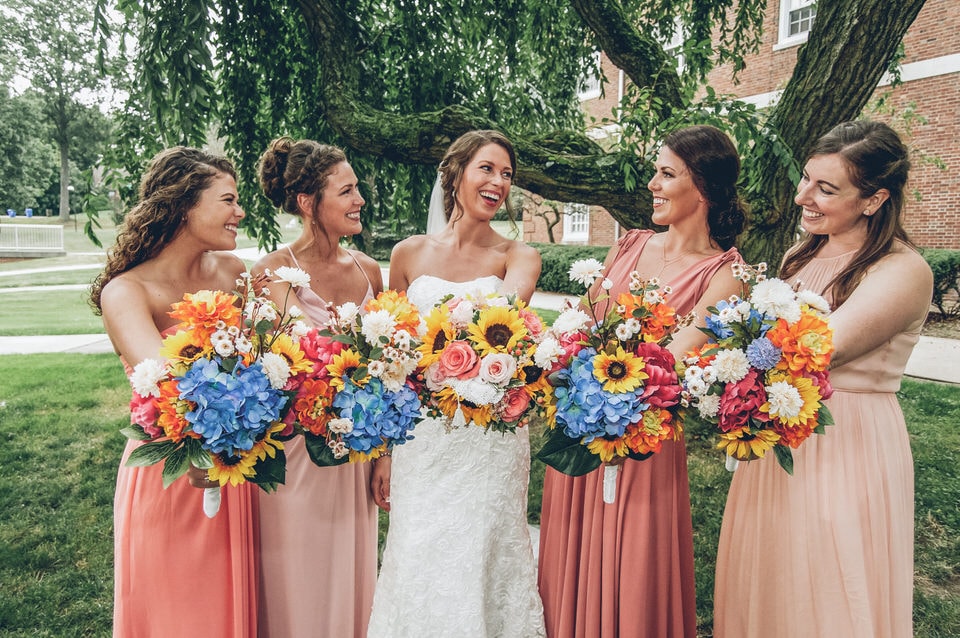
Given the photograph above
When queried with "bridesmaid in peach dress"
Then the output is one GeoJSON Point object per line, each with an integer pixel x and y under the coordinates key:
{"type": "Point", "coordinates": [176, 572]}
{"type": "Point", "coordinates": [318, 531]}
{"type": "Point", "coordinates": [626, 569]}
{"type": "Point", "coordinates": [829, 550]}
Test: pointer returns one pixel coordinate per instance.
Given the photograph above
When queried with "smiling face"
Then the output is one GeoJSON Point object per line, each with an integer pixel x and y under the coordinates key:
{"type": "Point", "coordinates": [338, 212]}
{"type": "Point", "coordinates": [213, 220]}
{"type": "Point", "coordinates": [675, 197]}
{"type": "Point", "coordinates": [832, 205]}
{"type": "Point", "coordinates": [485, 182]}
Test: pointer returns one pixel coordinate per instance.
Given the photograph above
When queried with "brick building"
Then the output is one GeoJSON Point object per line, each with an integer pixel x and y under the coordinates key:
{"type": "Point", "coordinates": [930, 74]}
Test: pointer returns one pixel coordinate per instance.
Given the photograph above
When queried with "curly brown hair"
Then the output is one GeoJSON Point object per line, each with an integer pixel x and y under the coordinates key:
{"type": "Point", "coordinates": [171, 186]}
{"type": "Point", "coordinates": [459, 154]}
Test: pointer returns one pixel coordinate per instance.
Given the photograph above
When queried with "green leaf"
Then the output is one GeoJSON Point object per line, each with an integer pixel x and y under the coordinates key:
{"type": "Point", "coordinates": [567, 455]}
{"type": "Point", "coordinates": [824, 416]}
{"type": "Point", "coordinates": [271, 472]}
{"type": "Point", "coordinates": [784, 457]}
{"type": "Point", "coordinates": [197, 455]}
{"type": "Point", "coordinates": [319, 452]}
{"type": "Point", "coordinates": [175, 466]}
{"type": "Point", "coordinates": [135, 433]}
{"type": "Point", "coordinates": [151, 453]}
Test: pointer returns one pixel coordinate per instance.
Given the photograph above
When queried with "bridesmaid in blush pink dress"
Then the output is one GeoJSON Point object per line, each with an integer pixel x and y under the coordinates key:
{"type": "Point", "coordinates": [626, 569]}
{"type": "Point", "coordinates": [828, 551]}
{"type": "Point", "coordinates": [318, 531]}
{"type": "Point", "coordinates": [176, 572]}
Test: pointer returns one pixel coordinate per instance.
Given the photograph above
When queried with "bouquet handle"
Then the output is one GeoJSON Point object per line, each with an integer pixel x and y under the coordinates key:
{"type": "Point", "coordinates": [211, 501]}
{"type": "Point", "coordinates": [731, 464]}
{"type": "Point", "coordinates": [610, 483]}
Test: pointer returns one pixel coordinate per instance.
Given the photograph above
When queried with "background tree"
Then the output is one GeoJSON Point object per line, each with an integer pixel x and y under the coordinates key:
{"type": "Point", "coordinates": [28, 159]}
{"type": "Point", "coordinates": [54, 43]}
{"type": "Point", "coordinates": [396, 81]}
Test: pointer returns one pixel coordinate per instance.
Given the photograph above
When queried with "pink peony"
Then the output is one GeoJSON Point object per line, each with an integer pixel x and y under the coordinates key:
{"type": "Point", "coordinates": [143, 412]}
{"type": "Point", "coordinates": [321, 350]}
{"type": "Point", "coordinates": [572, 343]}
{"type": "Point", "coordinates": [459, 360]}
{"type": "Point", "coordinates": [821, 379]}
{"type": "Point", "coordinates": [662, 386]}
{"type": "Point", "coordinates": [741, 401]}
{"type": "Point", "coordinates": [515, 403]}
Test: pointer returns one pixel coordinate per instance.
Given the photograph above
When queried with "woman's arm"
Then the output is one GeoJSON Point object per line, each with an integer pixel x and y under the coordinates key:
{"type": "Point", "coordinates": [128, 319]}
{"type": "Point", "coordinates": [894, 294]}
{"type": "Point", "coordinates": [522, 271]}
{"type": "Point", "coordinates": [722, 285]}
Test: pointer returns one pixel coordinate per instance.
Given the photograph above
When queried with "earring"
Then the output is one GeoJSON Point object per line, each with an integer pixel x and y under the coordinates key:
{"type": "Point", "coordinates": [868, 212]}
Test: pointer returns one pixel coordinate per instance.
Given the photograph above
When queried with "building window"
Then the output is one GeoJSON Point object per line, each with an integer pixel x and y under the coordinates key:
{"type": "Point", "coordinates": [796, 20]}
{"type": "Point", "coordinates": [576, 223]}
{"type": "Point", "coordinates": [590, 87]}
{"type": "Point", "coordinates": [673, 45]}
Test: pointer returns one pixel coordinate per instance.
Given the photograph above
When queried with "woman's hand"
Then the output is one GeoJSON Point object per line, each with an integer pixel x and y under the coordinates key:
{"type": "Point", "coordinates": [380, 482]}
{"type": "Point", "coordinates": [198, 478]}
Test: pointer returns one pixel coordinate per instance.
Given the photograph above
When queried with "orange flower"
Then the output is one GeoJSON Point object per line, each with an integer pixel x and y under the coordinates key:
{"type": "Point", "coordinates": [202, 310]}
{"type": "Point", "coordinates": [806, 344]}
{"type": "Point", "coordinates": [400, 308]}
{"type": "Point", "coordinates": [171, 412]}
{"type": "Point", "coordinates": [653, 429]}
{"type": "Point", "coordinates": [311, 405]}
{"type": "Point", "coordinates": [657, 320]}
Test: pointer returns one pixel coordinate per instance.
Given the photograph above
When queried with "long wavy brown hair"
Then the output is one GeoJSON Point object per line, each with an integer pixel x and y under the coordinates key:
{"type": "Point", "coordinates": [875, 158]}
{"type": "Point", "coordinates": [171, 186]}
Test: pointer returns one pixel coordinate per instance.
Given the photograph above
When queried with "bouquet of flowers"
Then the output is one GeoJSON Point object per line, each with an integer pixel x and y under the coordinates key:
{"type": "Point", "coordinates": [358, 400]}
{"type": "Point", "coordinates": [478, 362]}
{"type": "Point", "coordinates": [218, 398]}
{"type": "Point", "coordinates": [762, 376]}
{"type": "Point", "coordinates": [616, 389]}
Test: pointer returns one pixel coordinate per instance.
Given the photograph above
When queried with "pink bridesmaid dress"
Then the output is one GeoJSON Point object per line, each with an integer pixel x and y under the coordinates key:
{"type": "Point", "coordinates": [625, 569]}
{"type": "Point", "coordinates": [177, 572]}
{"type": "Point", "coordinates": [318, 538]}
{"type": "Point", "coordinates": [827, 551]}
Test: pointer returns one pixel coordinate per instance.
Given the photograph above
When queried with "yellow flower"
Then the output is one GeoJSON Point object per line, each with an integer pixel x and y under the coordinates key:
{"type": "Point", "coordinates": [448, 401]}
{"type": "Point", "coordinates": [439, 334]}
{"type": "Point", "coordinates": [185, 346]}
{"type": "Point", "coordinates": [606, 449]}
{"type": "Point", "coordinates": [344, 364]}
{"type": "Point", "coordinates": [747, 443]}
{"type": "Point", "coordinates": [395, 302]}
{"type": "Point", "coordinates": [289, 348]}
{"type": "Point", "coordinates": [203, 309]}
{"type": "Point", "coordinates": [232, 469]}
{"type": "Point", "coordinates": [809, 393]}
{"type": "Point", "coordinates": [498, 329]}
{"type": "Point", "coordinates": [267, 445]}
{"type": "Point", "coordinates": [619, 372]}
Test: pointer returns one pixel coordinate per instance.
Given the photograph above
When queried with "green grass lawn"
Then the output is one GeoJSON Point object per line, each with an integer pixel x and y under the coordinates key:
{"type": "Point", "coordinates": [59, 422]}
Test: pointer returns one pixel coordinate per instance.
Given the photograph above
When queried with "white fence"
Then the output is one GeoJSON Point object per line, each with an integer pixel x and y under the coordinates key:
{"type": "Point", "coordinates": [29, 238]}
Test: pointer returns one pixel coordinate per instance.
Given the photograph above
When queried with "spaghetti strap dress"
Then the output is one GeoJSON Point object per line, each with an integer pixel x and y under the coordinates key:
{"type": "Point", "coordinates": [177, 572]}
{"type": "Point", "coordinates": [625, 569]}
{"type": "Point", "coordinates": [827, 551]}
{"type": "Point", "coordinates": [318, 536]}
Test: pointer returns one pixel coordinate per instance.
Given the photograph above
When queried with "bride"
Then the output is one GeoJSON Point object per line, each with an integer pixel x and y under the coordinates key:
{"type": "Point", "coordinates": [458, 559]}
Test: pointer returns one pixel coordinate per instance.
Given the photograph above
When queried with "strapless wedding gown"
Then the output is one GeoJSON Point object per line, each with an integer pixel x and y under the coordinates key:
{"type": "Point", "coordinates": [458, 560]}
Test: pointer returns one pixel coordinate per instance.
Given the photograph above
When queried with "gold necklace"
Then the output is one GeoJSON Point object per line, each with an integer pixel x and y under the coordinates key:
{"type": "Point", "coordinates": [664, 262]}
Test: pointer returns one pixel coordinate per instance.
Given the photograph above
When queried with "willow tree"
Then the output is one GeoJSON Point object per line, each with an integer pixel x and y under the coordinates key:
{"type": "Point", "coordinates": [395, 81]}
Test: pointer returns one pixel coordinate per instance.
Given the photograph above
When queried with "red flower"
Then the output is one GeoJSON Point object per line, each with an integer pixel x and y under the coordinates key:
{"type": "Point", "coordinates": [662, 387]}
{"type": "Point", "coordinates": [741, 401]}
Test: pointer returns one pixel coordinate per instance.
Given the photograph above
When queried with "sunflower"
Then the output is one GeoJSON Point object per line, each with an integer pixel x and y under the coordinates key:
{"type": "Point", "coordinates": [288, 348]}
{"type": "Point", "coordinates": [498, 329]}
{"type": "Point", "coordinates": [202, 310]}
{"type": "Point", "coordinates": [606, 449]}
{"type": "Point", "coordinates": [809, 395]}
{"type": "Point", "coordinates": [185, 346]}
{"type": "Point", "coordinates": [747, 443]}
{"type": "Point", "coordinates": [232, 469]}
{"type": "Point", "coordinates": [345, 364]}
{"type": "Point", "coordinates": [439, 334]}
{"type": "Point", "coordinates": [448, 401]}
{"type": "Point", "coordinates": [266, 445]}
{"type": "Point", "coordinates": [619, 372]}
{"type": "Point", "coordinates": [395, 302]}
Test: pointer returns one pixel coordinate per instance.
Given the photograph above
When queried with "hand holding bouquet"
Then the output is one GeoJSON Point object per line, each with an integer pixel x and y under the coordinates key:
{"type": "Point", "coordinates": [217, 399]}
{"type": "Point", "coordinates": [358, 402]}
{"type": "Point", "coordinates": [762, 376]}
{"type": "Point", "coordinates": [478, 362]}
{"type": "Point", "coordinates": [616, 389]}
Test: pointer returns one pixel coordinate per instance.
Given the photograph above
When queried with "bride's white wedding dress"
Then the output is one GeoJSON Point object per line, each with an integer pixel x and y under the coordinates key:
{"type": "Point", "coordinates": [458, 560]}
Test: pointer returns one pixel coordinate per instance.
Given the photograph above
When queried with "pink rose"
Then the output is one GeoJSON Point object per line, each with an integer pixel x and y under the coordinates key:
{"type": "Point", "coordinates": [144, 413]}
{"type": "Point", "coordinates": [532, 322]}
{"type": "Point", "coordinates": [459, 360]}
{"type": "Point", "coordinates": [515, 403]}
{"type": "Point", "coordinates": [433, 378]}
{"type": "Point", "coordinates": [497, 368]}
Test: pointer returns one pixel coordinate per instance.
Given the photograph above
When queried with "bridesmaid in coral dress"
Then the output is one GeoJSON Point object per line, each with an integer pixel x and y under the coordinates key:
{"type": "Point", "coordinates": [176, 572]}
{"type": "Point", "coordinates": [626, 569]}
{"type": "Point", "coordinates": [828, 551]}
{"type": "Point", "coordinates": [318, 531]}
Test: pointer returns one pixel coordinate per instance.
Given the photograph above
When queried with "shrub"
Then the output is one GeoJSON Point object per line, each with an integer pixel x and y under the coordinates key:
{"type": "Point", "coordinates": [556, 258]}
{"type": "Point", "coordinates": [945, 265]}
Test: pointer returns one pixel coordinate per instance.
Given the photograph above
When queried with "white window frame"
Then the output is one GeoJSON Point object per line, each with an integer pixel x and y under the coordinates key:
{"type": "Point", "coordinates": [576, 222]}
{"type": "Point", "coordinates": [591, 83]}
{"type": "Point", "coordinates": [786, 8]}
{"type": "Point", "coordinates": [673, 46]}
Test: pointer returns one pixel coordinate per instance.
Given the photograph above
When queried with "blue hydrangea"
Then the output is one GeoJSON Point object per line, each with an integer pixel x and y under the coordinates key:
{"type": "Point", "coordinates": [585, 410]}
{"type": "Point", "coordinates": [377, 414]}
{"type": "Point", "coordinates": [232, 408]}
{"type": "Point", "coordinates": [762, 354]}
